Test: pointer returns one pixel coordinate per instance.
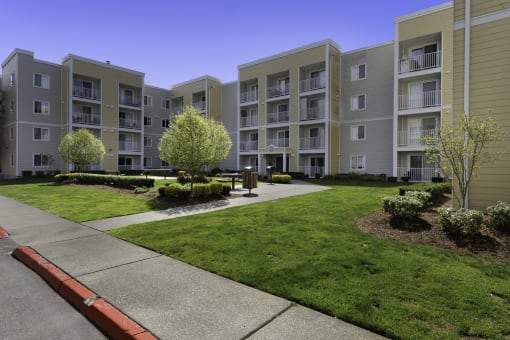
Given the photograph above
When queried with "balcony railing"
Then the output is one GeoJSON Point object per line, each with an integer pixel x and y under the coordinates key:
{"type": "Point", "coordinates": [418, 174]}
{"type": "Point", "coordinates": [130, 167]}
{"type": "Point", "coordinates": [199, 105]}
{"type": "Point", "coordinates": [419, 100]}
{"type": "Point", "coordinates": [177, 109]}
{"type": "Point", "coordinates": [412, 138]}
{"type": "Point", "coordinates": [311, 113]}
{"type": "Point", "coordinates": [277, 117]}
{"type": "Point", "coordinates": [420, 62]}
{"type": "Point", "coordinates": [306, 143]}
{"type": "Point", "coordinates": [86, 93]}
{"type": "Point", "coordinates": [278, 142]}
{"type": "Point", "coordinates": [311, 84]}
{"type": "Point", "coordinates": [129, 123]}
{"type": "Point", "coordinates": [130, 101]}
{"type": "Point", "coordinates": [249, 121]}
{"type": "Point", "coordinates": [129, 146]}
{"type": "Point", "coordinates": [277, 91]}
{"type": "Point", "coordinates": [312, 171]}
{"type": "Point", "coordinates": [248, 146]}
{"type": "Point", "coordinates": [248, 96]}
{"type": "Point", "coordinates": [85, 118]}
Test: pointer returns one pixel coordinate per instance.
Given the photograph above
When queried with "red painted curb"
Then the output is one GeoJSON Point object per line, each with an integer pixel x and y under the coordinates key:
{"type": "Point", "coordinates": [106, 317]}
{"type": "Point", "coordinates": [3, 233]}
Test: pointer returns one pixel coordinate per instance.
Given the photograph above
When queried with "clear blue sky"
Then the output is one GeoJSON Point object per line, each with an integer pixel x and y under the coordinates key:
{"type": "Point", "coordinates": [175, 41]}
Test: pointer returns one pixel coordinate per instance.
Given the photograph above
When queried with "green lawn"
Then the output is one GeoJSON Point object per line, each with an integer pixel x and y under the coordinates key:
{"type": "Point", "coordinates": [307, 249]}
{"type": "Point", "coordinates": [76, 203]}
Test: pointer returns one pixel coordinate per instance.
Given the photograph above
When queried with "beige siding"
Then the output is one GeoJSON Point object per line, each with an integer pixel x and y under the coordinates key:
{"type": "Point", "coordinates": [481, 7]}
{"type": "Point", "coordinates": [440, 21]}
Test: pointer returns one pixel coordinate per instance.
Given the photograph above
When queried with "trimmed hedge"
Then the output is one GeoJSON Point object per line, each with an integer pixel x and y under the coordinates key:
{"type": "Point", "coordinates": [436, 190]}
{"type": "Point", "coordinates": [499, 216]}
{"type": "Point", "coordinates": [462, 221]}
{"type": "Point", "coordinates": [125, 182]}
{"type": "Point", "coordinates": [354, 176]}
{"type": "Point", "coordinates": [200, 190]}
{"type": "Point", "coordinates": [403, 207]}
{"type": "Point", "coordinates": [285, 179]}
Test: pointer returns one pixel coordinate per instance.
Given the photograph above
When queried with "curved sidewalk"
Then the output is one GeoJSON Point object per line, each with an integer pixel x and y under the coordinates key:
{"type": "Point", "coordinates": [169, 298]}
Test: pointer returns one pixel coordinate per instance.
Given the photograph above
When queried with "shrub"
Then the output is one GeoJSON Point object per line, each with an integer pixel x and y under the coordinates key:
{"type": "Point", "coordinates": [404, 179]}
{"type": "Point", "coordinates": [201, 190]}
{"type": "Point", "coordinates": [435, 190]}
{"type": "Point", "coordinates": [185, 193]}
{"type": "Point", "coordinates": [404, 207]}
{"type": "Point", "coordinates": [26, 173]}
{"type": "Point", "coordinates": [173, 190]}
{"type": "Point", "coordinates": [421, 196]}
{"type": "Point", "coordinates": [141, 190]}
{"type": "Point", "coordinates": [216, 188]}
{"type": "Point", "coordinates": [282, 179]}
{"type": "Point", "coordinates": [215, 172]}
{"type": "Point", "coordinates": [299, 175]}
{"type": "Point", "coordinates": [499, 215]}
{"type": "Point", "coordinates": [392, 179]}
{"type": "Point", "coordinates": [161, 191]}
{"type": "Point", "coordinates": [196, 179]}
{"type": "Point", "coordinates": [460, 221]}
{"type": "Point", "coordinates": [437, 179]}
{"type": "Point", "coordinates": [226, 190]}
{"type": "Point", "coordinates": [39, 173]}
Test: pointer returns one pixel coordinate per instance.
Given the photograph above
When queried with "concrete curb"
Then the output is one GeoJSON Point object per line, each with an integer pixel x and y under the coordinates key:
{"type": "Point", "coordinates": [102, 314]}
{"type": "Point", "coordinates": [3, 233]}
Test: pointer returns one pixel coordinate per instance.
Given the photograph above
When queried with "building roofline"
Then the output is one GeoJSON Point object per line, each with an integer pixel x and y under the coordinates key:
{"type": "Point", "coordinates": [156, 87]}
{"type": "Point", "coordinates": [194, 80]}
{"type": "Point", "coordinates": [369, 47]}
{"type": "Point", "coordinates": [14, 52]}
{"type": "Point", "coordinates": [292, 51]}
{"type": "Point", "coordinates": [423, 12]}
{"type": "Point", "coordinates": [100, 63]}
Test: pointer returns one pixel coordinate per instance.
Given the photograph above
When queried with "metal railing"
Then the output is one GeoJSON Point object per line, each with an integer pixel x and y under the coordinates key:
{"type": "Point", "coordinates": [248, 96]}
{"type": "Point", "coordinates": [130, 101]}
{"type": "Point", "coordinates": [129, 123]}
{"type": "Point", "coordinates": [248, 145]}
{"type": "Point", "coordinates": [311, 84]}
{"type": "Point", "coordinates": [312, 171]}
{"type": "Point", "coordinates": [129, 146]}
{"type": "Point", "coordinates": [277, 117]}
{"type": "Point", "coordinates": [311, 113]}
{"type": "Point", "coordinates": [177, 109]}
{"type": "Point", "coordinates": [278, 142]}
{"type": "Point", "coordinates": [419, 62]}
{"type": "Point", "coordinates": [306, 143]}
{"type": "Point", "coordinates": [85, 118]}
{"type": "Point", "coordinates": [130, 167]}
{"type": "Point", "coordinates": [412, 138]}
{"type": "Point", "coordinates": [249, 121]}
{"type": "Point", "coordinates": [277, 91]}
{"type": "Point", "coordinates": [86, 93]}
{"type": "Point", "coordinates": [418, 174]}
{"type": "Point", "coordinates": [419, 100]}
{"type": "Point", "coordinates": [200, 105]}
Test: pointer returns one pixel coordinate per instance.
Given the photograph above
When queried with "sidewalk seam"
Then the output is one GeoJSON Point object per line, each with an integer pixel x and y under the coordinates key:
{"type": "Point", "coordinates": [97, 310]}
{"type": "Point", "coordinates": [268, 321]}
{"type": "Point", "coordinates": [119, 265]}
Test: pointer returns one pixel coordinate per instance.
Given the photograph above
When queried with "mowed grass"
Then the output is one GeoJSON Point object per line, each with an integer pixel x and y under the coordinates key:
{"type": "Point", "coordinates": [307, 249]}
{"type": "Point", "coordinates": [76, 203]}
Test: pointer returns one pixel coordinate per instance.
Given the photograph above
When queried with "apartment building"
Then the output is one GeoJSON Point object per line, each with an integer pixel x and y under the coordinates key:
{"type": "Point", "coordinates": [289, 110]}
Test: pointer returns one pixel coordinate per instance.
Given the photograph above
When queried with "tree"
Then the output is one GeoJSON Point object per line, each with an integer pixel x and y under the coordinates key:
{"type": "Point", "coordinates": [192, 141]}
{"type": "Point", "coordinates": [461, 149]}
{"type": "Point", "coordinates": [81, 148]}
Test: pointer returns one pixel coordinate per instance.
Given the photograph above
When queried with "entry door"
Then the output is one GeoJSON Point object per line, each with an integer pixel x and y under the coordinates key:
{"type": "Point", "coordinates": [414, 131]}
{"type": "Point", "coordinates": [416, 165]}
{"type": "Point", "coordinates": [429, 94]}
{"type": "Point", "coordinates": [415, 95]}
{"type": "Point", "coordinates": [316, 166]}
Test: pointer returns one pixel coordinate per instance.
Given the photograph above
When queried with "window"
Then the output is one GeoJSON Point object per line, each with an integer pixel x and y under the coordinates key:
{"type": "Point", "coordinates": [165, 123]}
{"type": "Point", "coordinates": [41, 107]}
{"type": "Point", "coordinates": [165, 164]}
{"type": "Point", "coordinates": [358, 102]}
{"type": "Point", "coordinates": [165, 104]}
{"type": "Point", "coordinates": [41, 160]}
{"type": "Point", "coordinates": [41, 80]}
{"type": "Point", "coordinates": [11, 80]}
{"type": "Point", "coordinates": [357, 132]}
{"type": "Point", "coordinates": [147, 100]}
{"type": "Point", "coordinates": [359, 72]}
{"type": "Point", "coordinates": [12, 160]}
{"type": "Point", "coordinates": [147, 141]}
{"type": "Point", "coordinates": [11, 133]}
{"type": "Point", "coordinates": [147, 162]}
{"type": "Point", "coordinates": [147, 121]}
{"type": "Point", "coordinates": [42, 134]}
{"type": "Point", "coordinates": [358, 162]}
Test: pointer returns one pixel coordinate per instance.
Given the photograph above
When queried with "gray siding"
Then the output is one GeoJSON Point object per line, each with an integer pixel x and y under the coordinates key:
{"type": "Point", "coordinates": [155, 130]}
{"type": "Point", "coordinates": [229, 117]}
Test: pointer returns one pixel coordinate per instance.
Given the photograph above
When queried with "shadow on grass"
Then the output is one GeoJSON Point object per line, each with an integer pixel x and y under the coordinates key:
{"type": "Point", "coordinates": [413, 225]}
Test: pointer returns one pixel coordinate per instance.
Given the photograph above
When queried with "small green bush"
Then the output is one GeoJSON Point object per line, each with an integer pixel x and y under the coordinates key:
{"type": "Point", "coordinates": [285, 179]}
{"type": "Point", "coordinates": [141, 190]}
{"type": "Point", "coordinates": [462, 221]}
{"type": "Point", "coordinates": [403, 207]}
{"type": "Point", "coordinates": [173, 190]}
{"type": "Point", "coordinates": [226, 190]}
{"type": "Point", "coordinates": [216, 188]}
{"type": "Point", "coordinates": [26, 173]}
{"type": "Point", "coordinates": [499, 215]}
{"type": "Point", "coordinates": [421, 196]}
{"type": "Point", "coordinates": [436, 190]}
{"type": "Point", "coordinates": [392, 179]}
{"type": "Point", "coordinates": [201, 190]}
{"type": "Point", "coordinates": [161, 191]}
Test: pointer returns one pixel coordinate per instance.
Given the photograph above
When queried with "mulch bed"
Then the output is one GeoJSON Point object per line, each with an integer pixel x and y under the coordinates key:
{"type": "Point", "coordinates": [426, 230]}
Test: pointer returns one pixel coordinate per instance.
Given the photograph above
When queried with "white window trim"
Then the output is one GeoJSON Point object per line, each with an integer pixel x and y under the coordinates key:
{"type": "Point", "coordinates": [164, 120]}
{"type": "Point", "coordinates": [356, 128]}
{"type": "Point", "coordinates": [42, 165]}
{"type": "Point", "coordinates": [149, 100]}
{"type": "Point", "coordinates": [42, 76]}
{"type": "Point", "coordinates": [163, 106]}
{"type": "Point", "coordinates": [357, 98]}
{"type": "Point", "coordinates": [363, 157]}
{"type": "Point", "coordinates": [147, 139]}
{"type": "Point", "coordinates": [40, 140]}
{"type": "Point", "coordinates": [42, 102]}
{"type": "Point", "coordinates": [355, 72]}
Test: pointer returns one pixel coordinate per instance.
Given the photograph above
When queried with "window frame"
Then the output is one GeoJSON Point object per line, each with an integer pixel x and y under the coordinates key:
{"type": "Point", "coordinates": [357, 96]}
{"type": "Point", "coordinates": [355, 132]}
{"type": "Point", "coordinates": [147, 100]}
{"type": "Point", "coordinates": [42, 102]}
{"type": "Point", "coordinates": [42, 76]}
{"type": "Point", "coordinates": [147, 141]}
{"type": "Point", "coordinates": [166, 101]}
{"type": "Point", "coordinates": [358, 157]}
{"type": "Point", "coordinates": [147, 121]}
{"type": "Point", "coordinates": [41, 134]}
{"type": "Point", "coordinates": [165, 123]}
{"type": "Point", "coordinates": [355, 72]}
{"type": "Point", "coordinates": [41, 165]}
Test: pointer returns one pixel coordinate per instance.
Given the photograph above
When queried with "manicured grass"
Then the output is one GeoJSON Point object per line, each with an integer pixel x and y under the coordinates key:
{"type": "Point", "coordinates": [307, 249]}
{"type": "Point", "coordinates": [76, 203]}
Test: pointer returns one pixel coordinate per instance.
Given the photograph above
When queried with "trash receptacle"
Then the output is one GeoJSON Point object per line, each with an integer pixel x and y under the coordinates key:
{"type": "Point", "coordinates": [249, 180]}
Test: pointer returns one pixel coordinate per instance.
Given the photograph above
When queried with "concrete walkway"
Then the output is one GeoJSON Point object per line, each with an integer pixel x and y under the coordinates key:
{"type": "Point", "coordinates": [171, 299]}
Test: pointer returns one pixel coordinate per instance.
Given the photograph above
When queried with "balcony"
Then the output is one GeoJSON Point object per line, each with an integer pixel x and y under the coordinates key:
{"type": "Point", "coordinates": [420, 62]}
{"type": "Point", "coordinates": [312, 84]}
{"type": "Point", "coordinates": [130, 101]}
{"type": "Point", "coordinates": [86, 118]}
{"type": "Point", "coordinates": [277, 91]}
{"type": "Point", "coordinates": [177, 109]}
{"type": "Point", "coordinates": [125, 146]}
{"type": "Point", "coordinates": [278, 142]}
{"type": "Point", "coordinates": [249, 121]}
{"type": "Point", "coordinates": [200, 105]}
{"type": "Point", "coordinates": [130, 167]}
{"type": "Point", "coordinates": [245, 146]}
{"type": "Point", "coordinates": [412, 138]}
{"type": "Point", "coordinates": [308, 143]}
{"type": "Point", "coordinates": [277, 117]}
{"type": "Point", "coordinates": [418, 174]}
{"type": "Point", "coordinates": [128, 123]}
{"type": "Point", "coordinates": [311, 113]}
{"type": "Point", "coordinates": [312, 171]}
{"type": "Point", "coordinates": [86, 93]}
{"type": "Point", "coordinates": [248, 96]}
{"type": "Point", "coordinates": [419, 100]}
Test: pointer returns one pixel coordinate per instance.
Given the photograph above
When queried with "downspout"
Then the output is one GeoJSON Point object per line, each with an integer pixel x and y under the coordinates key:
{"type": "Point", "coordinates": [467, 48]}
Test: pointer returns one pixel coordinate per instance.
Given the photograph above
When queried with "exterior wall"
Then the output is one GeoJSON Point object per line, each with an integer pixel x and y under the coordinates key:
{"type": "Point", "coordinates": [377, 117]}
{"type": "Point", "coordinates": [206, 86]}
{"type": "Point", "coordinates": [489, 81]}
{"type": "Point", "coordinates": [229, 118]}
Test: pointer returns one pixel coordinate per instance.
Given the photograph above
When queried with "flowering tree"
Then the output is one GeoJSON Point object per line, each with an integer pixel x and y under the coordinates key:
{"type": "Point", "coordinates": [81, 148]}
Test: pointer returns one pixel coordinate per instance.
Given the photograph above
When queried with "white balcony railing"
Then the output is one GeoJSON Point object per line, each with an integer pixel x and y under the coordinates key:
{"type": "Point", "coordinates": [412, 138]}
{"type": "Point", "coordinates": [306, 143]}
{"type": "Point", "coordinates": [277, 91]}
{"type": "Point", "coordinates": [200, 105]}
{"type": "Point", "coordinates": [249, 121]}
{"type": "Point", "coordinates": [86, 93]}
{"type": "Point", "coordinates": [312, 171]}
{"type": "Point", "coordinates": [419, 100]}
{"type": "Point", "coordinates": [277, 117]}
{"type": "Point", "coordinates": [130, 167]}
{"type": "Point", "coordinates": [248, 146]}
{"type": "Point", "coordinates": [418, 174]}
{"type": "Point", "coordinates": [311, 113]}
{"type": "Point", "coordinates": [130, 101]}
{"type": "Point", "coordinates": [177, 109]}
{"type": "Point", "coordinates": [420, 62]}
{"type": "Point", "coordinates": [311, 84]}
{"type": "Point", "coordinates": [129, 146]}
{"type": "Point", "coordinates": [248, 96]}
{"type": "Point", "coordinates": [129, 123]}
{"type": "Point", "coordinates": [86, 118]}
{"type": "Point", "coordinates": [278, 142]}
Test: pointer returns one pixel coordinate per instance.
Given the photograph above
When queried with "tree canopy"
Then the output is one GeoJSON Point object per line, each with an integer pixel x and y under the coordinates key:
{"type": "Point", "coordinates": [81, 148]}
